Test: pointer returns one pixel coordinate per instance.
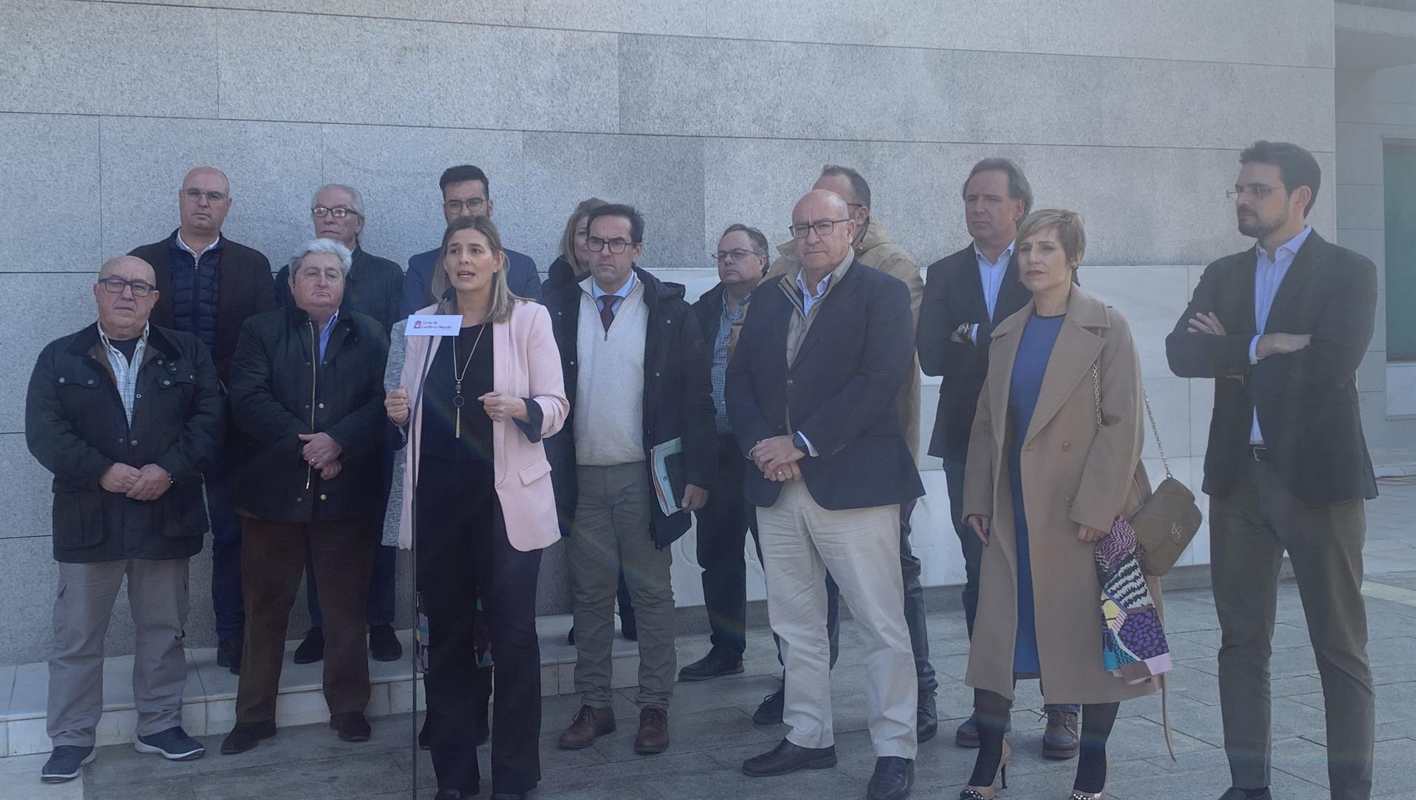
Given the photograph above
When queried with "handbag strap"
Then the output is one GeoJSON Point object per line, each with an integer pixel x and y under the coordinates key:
{"type": "Point", "coordinates": [1150, 415]}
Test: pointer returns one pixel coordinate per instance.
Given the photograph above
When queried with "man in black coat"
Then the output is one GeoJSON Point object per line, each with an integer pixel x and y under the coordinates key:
{"type": "Point", "coordinates": [307, 400]}
{"type": "Point", "coordinates": [1282, 328]}
{"type": "Point", "coordinates": [636, 375]}
{"type": "Point", "coordinates": [373, 288]}
{"type": "Point", "coordinates": [126, 415]}
{"type": "Point", "coordinates": [208, 286]}
{"type": "Point", "coordinates": [811, 394]}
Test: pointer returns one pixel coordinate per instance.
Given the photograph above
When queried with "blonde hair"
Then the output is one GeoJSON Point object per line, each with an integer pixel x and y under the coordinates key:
{"type": "Point", "coordinates": [502, 298]}
{"type": "Point", "coordinates": [1068, 224]}
{"type": "Point", "coordinates": [568, 238]}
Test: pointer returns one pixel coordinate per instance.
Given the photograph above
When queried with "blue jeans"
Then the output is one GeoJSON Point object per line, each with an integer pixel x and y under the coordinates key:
{"type": "Point", "coordinates": [225, 553]}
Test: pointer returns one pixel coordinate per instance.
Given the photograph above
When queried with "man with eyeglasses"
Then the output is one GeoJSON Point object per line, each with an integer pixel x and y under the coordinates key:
{"type": "Point", "coordinates": [1282, 328]}
{"type": "Point", "coordinates": [812, 393]}
{"type": "Point", "coordinates": [466, 192]}
{"type": "Point", "coordinates": [873, 249]}
{"type": "Point", "coordinates": [724, 521]}
{"type": "Point", "coordinates": [374, 287]}
{"type": "Point", "coordinates": [208, 286]}
{"type": "Point", "coordinates": [636, 375]}
{"type": "Point", "coordinates": [126, 414]}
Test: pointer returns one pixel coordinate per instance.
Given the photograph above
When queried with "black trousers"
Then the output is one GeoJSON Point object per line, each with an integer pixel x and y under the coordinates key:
{"type": "Point", "coordinates": [476, 561]}
{"type": "Point", "coordinates": [969, 542]}
{"type": "Point", "coordinates": [722, 531]}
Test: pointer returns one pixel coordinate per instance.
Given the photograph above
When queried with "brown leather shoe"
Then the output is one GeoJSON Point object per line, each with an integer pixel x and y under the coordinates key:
{"type": "Point", "coordinates": [653, 734]}
{"type": "Point", "coordinates": [589, 724]}
{"type": "Point", "coordinates": [1059, 741]}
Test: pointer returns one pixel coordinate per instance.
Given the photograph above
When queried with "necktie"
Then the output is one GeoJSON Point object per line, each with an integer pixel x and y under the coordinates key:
{"type": "Point", "coordinates": [607, 310]}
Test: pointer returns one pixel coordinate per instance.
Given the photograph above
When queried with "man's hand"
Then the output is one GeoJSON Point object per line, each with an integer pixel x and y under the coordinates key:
{"type": "Point", "coordinates": [118, 478]}
{"type": "Point", "coordinates": [771, 455]}
{"type": "Point", "coordinates": [1206, 323]}
{"type": "Point", "coordinates": [980, 525]}
{"type": "Point", "coordinates": [502, 407]}
{"type": "Point", "coordinates": [1090, 535]}
{"type": "Point", "coordinates": [963, 334]}
{"type": "Point", "coordinates": [319, 449]}
{"type": "Point", "coordinates": [152, 483]}
{"type": "Point", "coordinates": [790, 472]}
{"type": "Point", "coordinates": [1275, 344]}
{"type": "Point", "coordinates": [331, 470]}
{"type": "Point", "coordinates": [694, 497]}
{"type": "Point", "coordinates": [396, 406]}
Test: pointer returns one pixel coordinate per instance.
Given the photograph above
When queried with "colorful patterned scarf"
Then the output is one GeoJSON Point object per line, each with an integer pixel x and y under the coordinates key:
{"type": "Point", "coordinates": [1133, 639]}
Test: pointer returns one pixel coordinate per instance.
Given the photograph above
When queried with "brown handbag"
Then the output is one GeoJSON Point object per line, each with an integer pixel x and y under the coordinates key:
{"type": "Point", "coordinates": [1169, 518]}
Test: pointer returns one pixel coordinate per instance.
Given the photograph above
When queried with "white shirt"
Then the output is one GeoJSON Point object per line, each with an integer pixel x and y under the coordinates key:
{"type": "Point", "coordinates": [1269, 273]}
{"type": "Point", "coordinates": [195, 255]}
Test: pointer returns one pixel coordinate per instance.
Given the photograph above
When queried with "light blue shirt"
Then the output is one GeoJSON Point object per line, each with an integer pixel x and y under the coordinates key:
{"type": "Point", "coordinates": [620, 294]}
{"type": "Point", "coordinates": [990, 274]}
{"type": "Point", "coordinates": [326, 331]}
{"type": "Point", "coordinates": [807, 298]}
{"type": "Point", "coordinates": [1269, 272]}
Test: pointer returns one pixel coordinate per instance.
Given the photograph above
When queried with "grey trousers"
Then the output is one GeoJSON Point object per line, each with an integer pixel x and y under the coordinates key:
{"type": "Point", "coordinates": [611, 534]}
{"type": "Point", "coordinates": [157, 594]}
{"type": "Point", "coordinates": [1251, 527]}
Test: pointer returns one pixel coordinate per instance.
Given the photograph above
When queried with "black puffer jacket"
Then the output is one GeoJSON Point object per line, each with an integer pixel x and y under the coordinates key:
{"type": "Point", "coordinates": [76, 427]}
{"type": "Point", "coordinates": [279, 390]}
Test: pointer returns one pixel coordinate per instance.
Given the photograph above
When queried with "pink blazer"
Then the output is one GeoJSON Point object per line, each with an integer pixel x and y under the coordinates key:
{"type": "Point", "coordinates": [525, 363]}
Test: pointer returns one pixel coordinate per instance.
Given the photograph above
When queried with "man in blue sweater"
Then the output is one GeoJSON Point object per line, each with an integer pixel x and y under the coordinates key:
{"type": "Point", "coordinates": [465, 193]}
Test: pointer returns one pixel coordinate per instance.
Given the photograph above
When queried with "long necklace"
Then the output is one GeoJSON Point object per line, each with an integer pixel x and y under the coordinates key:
{"type": "Point", "coordinates": [457, 377]}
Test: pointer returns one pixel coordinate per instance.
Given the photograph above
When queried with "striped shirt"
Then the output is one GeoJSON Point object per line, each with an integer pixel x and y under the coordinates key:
{"type": "Point", "coordinates": [125, 372]}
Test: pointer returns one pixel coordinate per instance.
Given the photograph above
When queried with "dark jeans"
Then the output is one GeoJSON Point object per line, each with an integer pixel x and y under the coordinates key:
{"type": "Point", "coordinates": [915, 611]}
{"type": "Point", "coordinates": [272, 560]}
{"type": "Point", "coordinates": [722, 531]}
{"type": "Point", "coordinates": [382, 604]}
{"type": "Point", "coordinates": [226, 600]}
{"type": "Point", "coordinates": [505, 580]}
{"type": "Point", "coordinates": [969, 543]}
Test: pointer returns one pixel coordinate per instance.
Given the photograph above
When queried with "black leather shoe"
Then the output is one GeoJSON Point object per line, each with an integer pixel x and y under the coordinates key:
{"type": "Point", "coordinates": [228, 654]}
{"type": "Point", "coordinates": [717, 663]}
{"type": "Point", "coordinates": [770, 711]}
{"type": "Point", "coordinates": [927, 718]}
{"type": "Point", "coordinates": [1235, 793]}
{"type": "Point", "coordinates": [787, 757]}
{"type": "Point", "coordinates": [311, 648]}
{"type": "Point", "coordinates": [967, 734]}
{"type": "Point", "coordinates": [384, 644]}
{"type": "Point", "coordinates": [244, 737]}
{"type": "Point", "coordinates": [351, 726]}
{"type": "Point", "coordinates": [893, 779]}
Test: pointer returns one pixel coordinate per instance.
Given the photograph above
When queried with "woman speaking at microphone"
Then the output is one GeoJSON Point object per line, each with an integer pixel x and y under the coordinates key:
{"type": "Point", "coordinates": [473, 409]}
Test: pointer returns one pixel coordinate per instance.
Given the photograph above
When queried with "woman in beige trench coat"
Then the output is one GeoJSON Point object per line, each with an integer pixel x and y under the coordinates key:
{"type": "Point", "coordinates": [1043, 484]}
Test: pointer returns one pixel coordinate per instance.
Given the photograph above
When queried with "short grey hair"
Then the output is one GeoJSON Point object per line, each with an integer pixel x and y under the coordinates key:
{"type": "Point", "coordinates": [859, 187]}
{"type": "Point", "coordinates": [1018, 186]}
{"type": "Point", "coordinates": [356, 200]}
{"type": "Point", "coordinates": [346, 258]}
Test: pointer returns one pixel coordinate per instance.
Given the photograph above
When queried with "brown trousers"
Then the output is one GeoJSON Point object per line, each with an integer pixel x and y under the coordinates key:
{"type": "Point", "coordinates": [272, 562]}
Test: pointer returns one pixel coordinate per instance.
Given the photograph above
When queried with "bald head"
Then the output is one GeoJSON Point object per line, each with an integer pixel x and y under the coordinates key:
{"type": "Point", "coordinates": [823, 229]}
{"type": "Point", "coordinates": [125, 292]}
{"type": "Point", "coordinates": [205, 199]}
{"type": "Point", "coordinates": [128, 267]}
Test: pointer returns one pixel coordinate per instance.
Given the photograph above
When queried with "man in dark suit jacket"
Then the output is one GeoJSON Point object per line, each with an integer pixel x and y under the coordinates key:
{"type": "Point", "coordinates": [209, 286]}
{"type": "Point", "coordinates": [1281, 328]}
{"type": "Point", "coordinates": [811, 396]}
{"type": "Point", "coordinates": [466, 192]}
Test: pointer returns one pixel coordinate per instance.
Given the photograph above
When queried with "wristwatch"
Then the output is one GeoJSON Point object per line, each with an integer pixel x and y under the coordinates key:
{"type": "Point", "coordinates": [800, 442]}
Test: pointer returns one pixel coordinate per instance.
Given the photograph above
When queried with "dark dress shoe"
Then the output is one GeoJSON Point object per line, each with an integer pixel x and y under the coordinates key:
{"type": "Point", "coordinates": [245, 736]}
{"type": "Point", "coordinates": [717, 663]}
{"type": "Point", "coordinates": [653, 736]}
{"type": "Point", "coordinates": [927, 718]}
{"type": "Point", "coordinates": [967, 734]}
{"type": "Point", "coordinates": [893, 779]}
{"type": "Point", "coordinates": [311, 649]}
{"type": "Point", "coordinates": [1235, 793]}
{"type": "Point", "coordinates": [589, 723]}
{"type": "Point", "coordinates": [351, 726]}
{"type": "Point", "coordinates": [787, 757]}
{"type": "Point", "coordinates": [384, 644]}
{"type": "Point", "coordinates": [1059, 740]}
{"type": "Point", "coordinates": [228, 654]}
{"type": "Point", "coordinates": [770, 711]}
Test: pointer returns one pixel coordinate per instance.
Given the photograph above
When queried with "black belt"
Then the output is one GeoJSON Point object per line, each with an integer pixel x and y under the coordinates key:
{"type": "Point", "coordinates": [1259, 453]}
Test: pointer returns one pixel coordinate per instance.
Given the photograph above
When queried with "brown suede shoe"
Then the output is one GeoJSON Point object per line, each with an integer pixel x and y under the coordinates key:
{"type": "Point", "coordinates": [589, 724]}
{"type": "Point", "coordinates": [653, 731]}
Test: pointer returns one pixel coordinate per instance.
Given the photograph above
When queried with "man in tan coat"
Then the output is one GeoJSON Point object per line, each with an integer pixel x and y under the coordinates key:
{"type": "Point", "coordinates": [874, 249]}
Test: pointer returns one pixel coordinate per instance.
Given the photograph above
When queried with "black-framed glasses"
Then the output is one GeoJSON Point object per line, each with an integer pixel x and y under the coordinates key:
{"type": "Point", "coordinates": [733, 256]}
{"type": "Point", "coordinates": [116, 285]}
{"type": "Point", "coordinates": [1258, 190]}
{"type": "Point", "coordinates": [338, 212]}
{"type": "Point", "coordinates": [196, 195]}
{"type": "Point", "coordinates": [823, 227]}
{"type": "Point", "coordinates": [616, 246]}
{"type": "Point", "coordinates": [471, 206]}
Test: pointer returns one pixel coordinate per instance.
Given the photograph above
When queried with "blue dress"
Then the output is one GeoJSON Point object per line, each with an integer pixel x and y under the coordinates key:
{"type": "Point", "coordinates": [1028, 370]}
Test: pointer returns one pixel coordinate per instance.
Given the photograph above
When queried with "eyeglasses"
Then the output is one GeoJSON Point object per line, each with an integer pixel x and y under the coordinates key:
{"type": "Point", "coordinates": [457, 206]}
{"type": "Point", "coordinates": [823, 228]}
{"type": "Point", "coordinates": [733, 256]}
{"type": "Point", "coordinates": [115, 285]}
{"type": "Point", "coordinates": [616, 246]}
{"type": "Point", "coordinates": [338, 212]}
{"type": "Point", "coordinates": [196, 195]}
{"type": "Point", "coordinates": [1258, 190]}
